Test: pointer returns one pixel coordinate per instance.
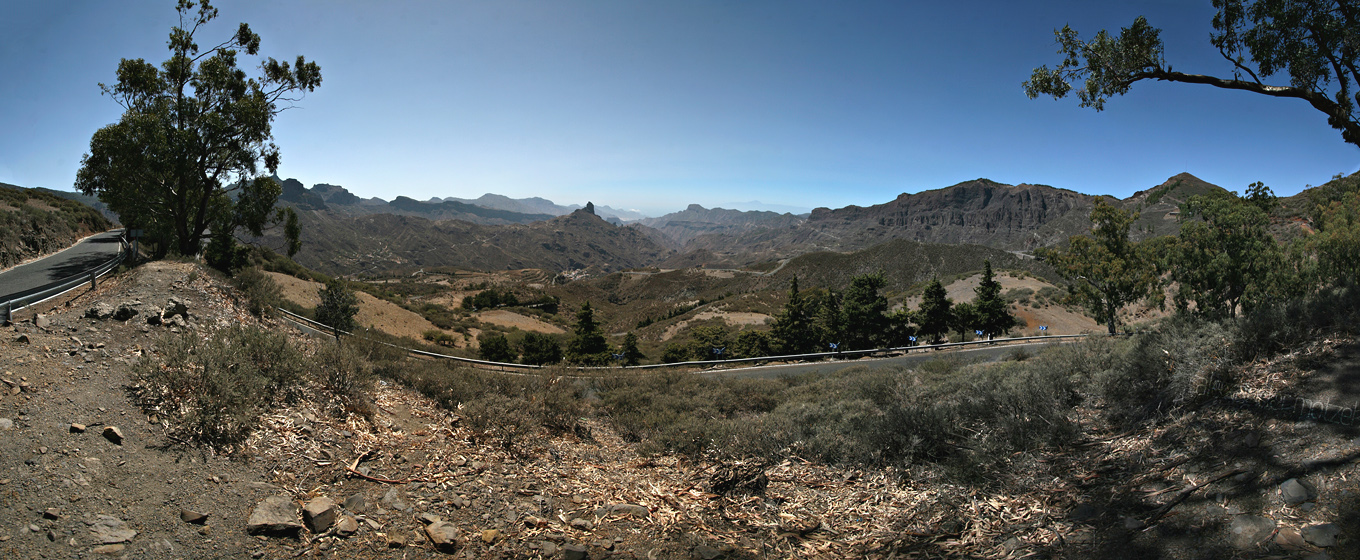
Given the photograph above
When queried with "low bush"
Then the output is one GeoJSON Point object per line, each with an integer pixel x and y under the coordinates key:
{"type": "Point", "coordinates": [260, 292]}
{"type": "Point", "coordinates": [347, 376]}
{"type": "Point", "coordinates": [215, 388]}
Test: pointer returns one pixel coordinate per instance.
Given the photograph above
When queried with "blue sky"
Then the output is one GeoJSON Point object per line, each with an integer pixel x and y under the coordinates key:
{"type": "Point", "coordinates": [654, 105]}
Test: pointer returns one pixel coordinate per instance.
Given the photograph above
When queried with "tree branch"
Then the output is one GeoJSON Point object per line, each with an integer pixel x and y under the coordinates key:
{"type": "Point", "coordinates": [1338, 117]}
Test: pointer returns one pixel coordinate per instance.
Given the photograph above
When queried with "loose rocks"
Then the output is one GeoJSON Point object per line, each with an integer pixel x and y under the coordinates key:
{"type": "Point", "coordinates": [1248, 530]}
{"type": "Point", "coordinates": [108, 529]}
{"type": "Point", "coordinates": [1294, 492]}
{"type": "Point", "coordinates": [319, 514]}
{"type": "Point", "coordinates": [194, 517]}
{"type": "Point", "coordinates": [276, 515]}
{"type": "Point", "coordinates": [1322, 534]}
{"type": "Point", "coordinates": [113, 434]}
{"type": "Point", "coordinates": [443, 535]}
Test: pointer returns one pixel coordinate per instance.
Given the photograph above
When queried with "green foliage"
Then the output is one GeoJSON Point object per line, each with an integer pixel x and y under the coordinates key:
{"type": "Point", "coordinates": [964, 318]}
{"type": "Point", "coordinates": [186, 154]}
{"type": "Point", "coordinates": [215, 388]}
{"type": "Point", "coordinates": [508, 409]}
{"type": "Point", "coordinates": [752, 344]}
{"type": "Point", "coordinates": [993, 315]}
{"type": "Point", "coordinates": [488, 299]}
{"type": "Point", "coordinates": [438, 337]}
{"type": "Point", "coordinates": [587, 346]}
{"type": "Point", "coordinates": [1226, 259]}
{"type": "Point", "coordinates": [1108, 270]}
{"type": "Point", "coordinates": [705, 342]}
{"type": "Point", "coordinates": [347, 377]}
{"type": "Point", "coordinates": [539, 349]}
{"type": "Point", "coordinates": [865, 311]}
{"type": "Point", "coordinates": [934, 316]}
{"type": "Point", "coordinates": [338, 305]}
{"type": "Point", "coordinates": [675, 352]}
{"type": "Point", "coordinates": [1338, 240]}
{"type": "Point", "coordinates": [1312, 42]}
{"type": "Point", "coordinates": [830, 321]}
{"type": "Point", "coordinates": [261, 293]}
{"type": "Point", "coordinates": [631, 354]}
{"type": "Point", "coordinates": [792, 330]}
{"type": "Point", "coordinates": [494, 347]}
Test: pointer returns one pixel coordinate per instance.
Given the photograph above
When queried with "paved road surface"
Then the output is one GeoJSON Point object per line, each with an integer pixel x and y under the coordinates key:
{"type": "Point", "coordinates": [93, 251]}
{"type": "Point", "coordinates": [983, 354]}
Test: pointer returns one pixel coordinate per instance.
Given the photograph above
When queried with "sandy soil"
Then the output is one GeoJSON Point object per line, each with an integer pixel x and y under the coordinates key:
{"type": "Point", "coordinates": [511, 319]}
{"type": "Point", "coordinates": [734, 319]}
{"type": "Point", "coordinates": [1059, 320]}
{"type": "Point", "coordinates": [373, 312]}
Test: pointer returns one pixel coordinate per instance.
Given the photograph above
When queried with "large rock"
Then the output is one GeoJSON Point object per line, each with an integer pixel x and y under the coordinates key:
{"type": "Point", "coordinates": [1249, 530]}
{"type": "Point", "coordinates": [276, 515]}
{"type": "Point", "coordinates": [1321, 534]}
{"type": "Point", "coordinates": [175, 307]}
{"type": "Point", "coordinates": [319, 514]}
{"type": "Point", "coordinates": [1294, 492]}
{"type": "Point", "coordinates": [99, 310]}
{"type": "Point", "coordinates": [125, 311]}
{"type": "Point", "coordinates": [444, 536]}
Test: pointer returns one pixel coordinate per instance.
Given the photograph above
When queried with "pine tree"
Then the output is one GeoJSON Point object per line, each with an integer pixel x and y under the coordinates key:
{"type": "Point", "coordinates": [993, 314]}
{"type": "Point", "coordinates": [934, 314]}
{"type": "Point", "coordinates": [793, 330]}
{"type": "Point", "coordinates": [588, 346]}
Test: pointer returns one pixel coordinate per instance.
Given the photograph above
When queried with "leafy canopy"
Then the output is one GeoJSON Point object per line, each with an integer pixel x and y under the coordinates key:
{"type": "Point", "coordinates": [1315, 43]}
{"type": "Point", "coordinates": [1107, 270]}
{"type": "Point", "coordinates": [193, 150]}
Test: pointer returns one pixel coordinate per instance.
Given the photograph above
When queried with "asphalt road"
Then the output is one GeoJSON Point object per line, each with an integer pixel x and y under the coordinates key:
{"type": "Point", "coordinates": [28, 278]}
{"type": "Point", "coordinates": [983, 354]}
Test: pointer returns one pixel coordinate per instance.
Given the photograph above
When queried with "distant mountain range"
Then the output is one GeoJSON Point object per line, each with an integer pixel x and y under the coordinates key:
{"type": "Point", "coordinates": [530, 233]}
{"type": "Point", "coordinates": [343, 233]}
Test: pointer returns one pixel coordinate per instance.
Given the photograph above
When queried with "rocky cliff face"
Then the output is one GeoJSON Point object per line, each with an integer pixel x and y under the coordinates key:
{"type": "Point", "coordinates": [983, 212]}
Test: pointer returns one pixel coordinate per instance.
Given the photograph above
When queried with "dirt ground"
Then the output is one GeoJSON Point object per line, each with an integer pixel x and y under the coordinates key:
{"type": "Point", "coordinates": [1058, 319]}
{"type": "Point", "coordinates": [505, 318]}
{"type": "Point", "coordinates": [736, 319]}
{"type": "Point", "coordinates": [373, 312]}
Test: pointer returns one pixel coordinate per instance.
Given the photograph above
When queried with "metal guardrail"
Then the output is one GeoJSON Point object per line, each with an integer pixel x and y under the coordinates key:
{"type": "Point", "coordinates": [54, 289]}
{"type": "Point", "coordinates": [326, 330]}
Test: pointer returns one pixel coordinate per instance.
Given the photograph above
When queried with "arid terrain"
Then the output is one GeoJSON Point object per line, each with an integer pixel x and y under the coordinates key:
{"type": "Point", "coordinates": [1215, 482]}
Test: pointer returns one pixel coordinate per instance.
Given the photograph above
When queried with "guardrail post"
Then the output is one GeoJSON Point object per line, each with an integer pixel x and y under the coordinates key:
{"type": "Point", "coordinates": [91, 279]}
{"type": "Point", "coordinates": [5, 313]}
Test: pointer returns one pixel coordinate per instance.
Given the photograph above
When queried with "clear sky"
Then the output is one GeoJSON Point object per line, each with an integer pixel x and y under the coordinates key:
{"type": "Point", "coordinates": [654, 105]}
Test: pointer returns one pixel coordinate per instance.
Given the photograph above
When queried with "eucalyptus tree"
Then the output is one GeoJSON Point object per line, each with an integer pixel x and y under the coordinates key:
{"type": "Point", "coordinates": [1313, 44]}
{"type": "Point", "coordinates": [193, 150]}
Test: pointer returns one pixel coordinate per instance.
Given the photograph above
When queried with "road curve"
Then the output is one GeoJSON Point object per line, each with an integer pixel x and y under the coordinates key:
{"type": "Point", "coordinates": [89, 253]}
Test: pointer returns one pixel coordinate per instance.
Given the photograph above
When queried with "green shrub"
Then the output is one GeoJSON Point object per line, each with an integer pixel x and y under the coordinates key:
{"type": "Point", "coordinates": [494, 347]}
{"type": "Point", "coordinates": [1165, 367]}
{"type": "Point", "coordinates": [347, 376]}
{"type": "Point", "coordinates": [260, 291]}
{"type": "Point", "coordinates": [215, 388]}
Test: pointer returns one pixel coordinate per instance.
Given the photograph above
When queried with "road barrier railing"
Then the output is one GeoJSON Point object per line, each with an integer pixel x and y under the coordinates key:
{"type": "Point", "coordinates": [325, 330]}
{"type": "Point", "coordinates": [34, 296]}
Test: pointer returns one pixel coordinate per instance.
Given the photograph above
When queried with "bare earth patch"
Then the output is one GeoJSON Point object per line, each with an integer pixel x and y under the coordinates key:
{"type": "Point", "coordinates": [373, 312]}
{"type": "Point", "coordinates": [505, 318]}
{"type": "Point", "coordinates": [733, 319]}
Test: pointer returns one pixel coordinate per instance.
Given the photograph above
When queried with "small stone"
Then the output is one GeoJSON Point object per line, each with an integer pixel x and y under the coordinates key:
{"type": "Point", "coordinates": [113, 434]}
{"type": "Point", "coordinates": [111, 530]}
{"type": "Point", "coordinates": [396, 540]}
{"type": "Point", "coordinates": [1321, 534]}
{"type": "Point", "coordinates": [532, 522]}
{"type": "Point", "coordinates": [319, 514]}
{"type": "Point", "coordinates": [6, 423]}
{"type": "Point", "coordinates": [347, 526]}
{"type": "Point", "coordinates": [41, 321]}
{"type": "Point", "coordinates": [581, 524]}
{"type": "Point", "coordinates": [1249, 530]}
{"type": "Point", "coordinates": [575, 552]}
{"type": "Point", "coordinates": [205, 530]}
{"type": "Point", "coordinates": [626, 509]}
{"type": "Point", "coordinates": [77, 428]}
{"type": "Point", "coordinates": [356, 503]}
{"type": "Point", "coordinates": [430, 518]}
{"type": "Point", "coordinates": [189, 516]}
{"type": "Point", "coordinates": [490, 535]}
{"type": "Point", "coordinates": [1294, 492]}
{"type": "Point", "coordinates": [22, 339]}
{"type": "Point", "coordinates": [34, 528]}
{"type": "Point", "coordinates": [548, 548]}
{"type": "Point", "coordinates": [1289, 539]}
{"type": "Point", "coordinates": [395, 499]}
{"type": "Point", "coordinates": [276, 515]}
{"type": "Point", "coordinates": [52, 513]}
{"type": "Point", "coordinates": [109, 549]}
